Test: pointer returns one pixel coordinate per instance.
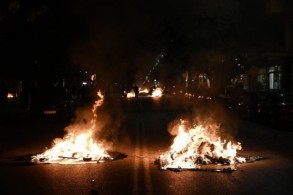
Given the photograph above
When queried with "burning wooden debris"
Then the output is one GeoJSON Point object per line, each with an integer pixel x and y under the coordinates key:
{"type": "Point", "coordinates": [73, 160]}
{"type": "Point", "coordinates": [30, 159]}
{"type": "Point", "coordinates": [196, 148]}
{"type": "Point", "coordinates": [215, 167]}
{"type": "Point", "coordinates": [76, 147]}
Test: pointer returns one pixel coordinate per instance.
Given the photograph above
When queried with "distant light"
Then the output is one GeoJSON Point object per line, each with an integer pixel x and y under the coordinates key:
{"type": "Point", "coordinates": [84, 83]}
{"type": "Point", "coordinates": [93, 77]}
{"type": "Point", "coordinates": [145, 90]}
{"type": "Point", "coordinates": [158, 92]}
{"type": "Point", "coordinates": [130, 94]}
{"type": "Point", "coordinates": [10, 95]}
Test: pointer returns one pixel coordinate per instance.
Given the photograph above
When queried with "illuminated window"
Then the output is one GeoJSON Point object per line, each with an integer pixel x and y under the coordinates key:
{"type": "Point", "coordinates": [275, 77]}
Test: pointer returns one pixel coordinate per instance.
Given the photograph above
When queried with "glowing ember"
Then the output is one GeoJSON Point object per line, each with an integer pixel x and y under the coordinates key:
{"type": "Point", "coordinates": [158, 92]}
{"type": "Point", "coordinates": [76, 148]}
{"type": "Point", "coordinates": [196, 146]}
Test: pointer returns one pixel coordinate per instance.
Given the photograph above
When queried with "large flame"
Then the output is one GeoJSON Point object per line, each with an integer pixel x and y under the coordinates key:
{"type": "Point", "coordinates": [195, 146]}
{"type": "Point", "coordinates": [74, 147]}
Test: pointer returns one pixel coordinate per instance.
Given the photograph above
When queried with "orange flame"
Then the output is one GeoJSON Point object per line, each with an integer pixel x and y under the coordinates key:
{"type": "Point", "coordinates": [145, 90]}
{"type": "Point", "coordinates": [158, 92]}
{"type": "Point", "coordinates": [130, 94]}
{"type": "Point", "coordinates": [10, 95]}
{"type": "Point", "coordinates": [195, 147]}
{"type": "Point", "coordinates": [74, 148]}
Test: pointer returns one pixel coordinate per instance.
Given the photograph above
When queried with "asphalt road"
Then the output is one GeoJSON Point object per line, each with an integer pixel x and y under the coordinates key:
{"type": "Point", "coordinates": [140, 132]}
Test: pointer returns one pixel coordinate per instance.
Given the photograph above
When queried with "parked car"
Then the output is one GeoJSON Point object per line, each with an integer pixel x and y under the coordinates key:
{"type": "Point", "coordinates": [52, 102]}
{"type": "Point", "coordinates": [268, 107]}
{"type": "Point", "coordinates": [245, 104]}
{"type": "Point", "coordinates": [274, 107]}
{"type": "Point", "coordinates": [224, 100]}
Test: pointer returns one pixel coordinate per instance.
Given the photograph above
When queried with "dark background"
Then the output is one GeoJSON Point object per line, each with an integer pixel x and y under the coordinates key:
{"type": "Point", "coordinates": [110, 37]}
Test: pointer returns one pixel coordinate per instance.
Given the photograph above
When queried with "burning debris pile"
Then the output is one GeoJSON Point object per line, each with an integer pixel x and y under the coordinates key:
{"type": "Point", "coordinates": [196, 146]}
{"type": "Point", "coordinates": [76, 148]}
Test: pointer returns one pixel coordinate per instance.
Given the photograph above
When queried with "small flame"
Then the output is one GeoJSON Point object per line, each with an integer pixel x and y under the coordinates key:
{"type": "Point", "coordinates": [196, 146]}
{"type": "Point", "coordinates": [74, 148]}
{"type": "Point", "coordinates": [145, 90]}
{"type": "Point", "coordinates": [158, 92]}
{"type": "Point", "coordinates": [130, 94]}
{"type": "Point", "coordinates": [10, 95]}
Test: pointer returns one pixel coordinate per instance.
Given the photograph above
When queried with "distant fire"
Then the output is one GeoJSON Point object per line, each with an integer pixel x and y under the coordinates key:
{"type": "Point", "coordinates": [158, 92]}
{"type": "Point", "coordinates": [198, 145]}
{"type": "Point", "coordinates": [145, 90]}
{"type": "Point", "coordinates": [76, 147]}
{"type": "Point", "coordinates": [10, 95]}
{"type": "Point", "coordinates": [130, 94]}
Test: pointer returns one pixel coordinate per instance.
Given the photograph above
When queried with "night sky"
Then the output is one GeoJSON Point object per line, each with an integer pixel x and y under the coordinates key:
{"type": "Point", "coordinates": [118, 39]}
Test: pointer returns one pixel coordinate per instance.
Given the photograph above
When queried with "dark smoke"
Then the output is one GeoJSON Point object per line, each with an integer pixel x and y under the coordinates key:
{"type": "Point", "coordinates": [115, 42]}
{"type": "Point", "coordinates": [119, 38]}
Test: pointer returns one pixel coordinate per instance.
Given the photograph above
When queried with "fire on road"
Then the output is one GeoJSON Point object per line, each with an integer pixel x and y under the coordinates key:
{"type": "Point", "coordinates": [138, 174]}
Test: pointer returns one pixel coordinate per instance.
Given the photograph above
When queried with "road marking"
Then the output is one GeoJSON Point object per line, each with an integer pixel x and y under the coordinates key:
{"type": "Point", "coordinates": [141, 165]}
